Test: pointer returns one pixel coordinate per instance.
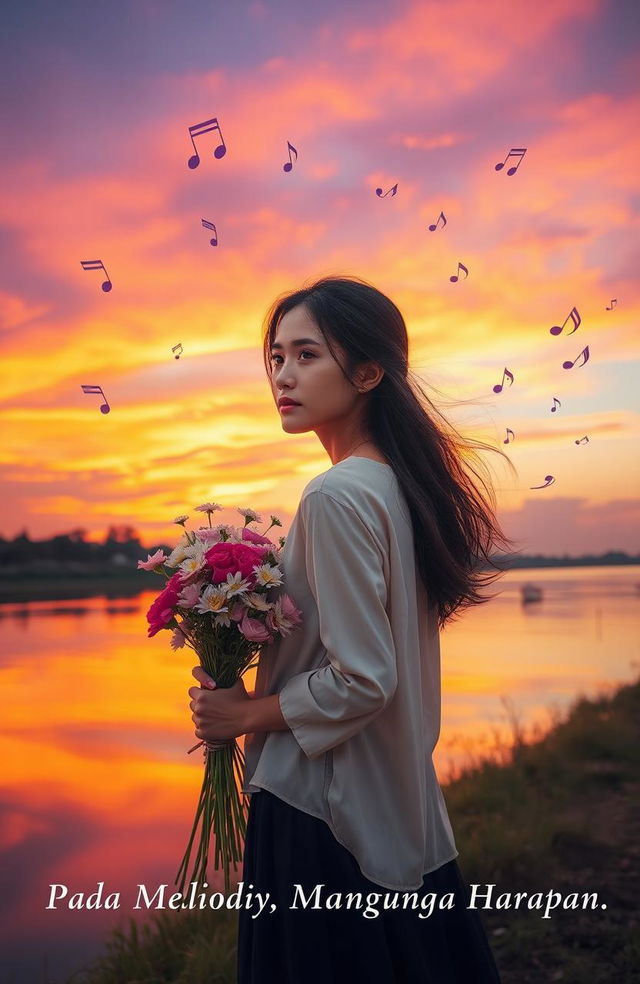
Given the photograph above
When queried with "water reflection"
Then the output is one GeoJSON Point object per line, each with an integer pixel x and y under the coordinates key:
{"type": "Point", "coordinates": [97, 785]}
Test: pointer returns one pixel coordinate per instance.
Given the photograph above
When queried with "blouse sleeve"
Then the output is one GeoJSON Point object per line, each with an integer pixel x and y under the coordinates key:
{"type": "Point", "coordinates": [326, 706]}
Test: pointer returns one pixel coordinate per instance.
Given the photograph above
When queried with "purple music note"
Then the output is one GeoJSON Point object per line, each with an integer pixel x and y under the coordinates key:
{"type": "Point", "coordinates": [210, 225]}
{"type": "Point", "coordinates": [613, 304]}
{"type": "Point", "coordinates": [392, 190]}
{"type": "Point", "coordinates": [554, 408]}
{"type": "Point", "coordinates": [514, 152]}
{"type": "Point", "coordinates": [548, 480]}
{"type": "Point", "coordinates": [583, 440]}
{"type": "Point", "coordinates": [97, 389]}
{"type": "Point", "coordinates": [97, 265]}
{"type": "Point", "coordinates": [461, 266]}
{"type": "Point", "coordinates": [575, 317]}
{"type": "Point", "coordinates": [498, 387]}
{"type": "Point", "coordinates": [432, 228]}
{"type": "Point", "coordinates": [509, 431]}
{"type": "Point", "coordinates": [174, 347]}
{"type": "Point", "coordinates": [585, 353]}
{"type": "Point", "coordinates": [197, 130]}
{"type": "Point", "coordinates": [289, 165]}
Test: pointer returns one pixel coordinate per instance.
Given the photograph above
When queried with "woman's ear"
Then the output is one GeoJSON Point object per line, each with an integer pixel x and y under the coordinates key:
{"type": "Point", "coordinates": [368, 376]}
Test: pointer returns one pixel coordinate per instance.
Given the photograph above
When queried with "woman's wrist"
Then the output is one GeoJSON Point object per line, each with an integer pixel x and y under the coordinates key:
{"type": "Point", "coordinates": [264, 714]}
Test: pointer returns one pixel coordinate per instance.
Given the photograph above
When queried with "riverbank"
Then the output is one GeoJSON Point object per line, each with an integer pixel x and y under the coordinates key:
{"type": "Point", "coordinates": [555, 815]}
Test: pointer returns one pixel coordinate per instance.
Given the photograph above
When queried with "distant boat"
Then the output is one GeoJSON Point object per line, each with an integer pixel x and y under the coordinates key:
{"type": "Point", "coordinates": [531, 592]}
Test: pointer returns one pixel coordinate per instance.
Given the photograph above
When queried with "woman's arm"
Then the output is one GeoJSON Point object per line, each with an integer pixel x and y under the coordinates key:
{"type": "Point", "coordinates": [264, 714]}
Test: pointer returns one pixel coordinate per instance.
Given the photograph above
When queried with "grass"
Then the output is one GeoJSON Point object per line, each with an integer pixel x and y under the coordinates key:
{"type": "Point", "coordinates": [555, 814]}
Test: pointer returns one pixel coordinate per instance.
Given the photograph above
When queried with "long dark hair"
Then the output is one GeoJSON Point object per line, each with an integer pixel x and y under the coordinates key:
{"type": "Point", "coordinates": [454, 526]}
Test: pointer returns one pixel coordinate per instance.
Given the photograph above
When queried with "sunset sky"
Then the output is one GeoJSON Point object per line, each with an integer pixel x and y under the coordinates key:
{"type": "Point", "coordinates": [97, 104]}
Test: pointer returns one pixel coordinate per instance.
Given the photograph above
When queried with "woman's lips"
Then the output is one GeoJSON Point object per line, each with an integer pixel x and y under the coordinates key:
{"type": "Point", "coordinates": [289, 406]}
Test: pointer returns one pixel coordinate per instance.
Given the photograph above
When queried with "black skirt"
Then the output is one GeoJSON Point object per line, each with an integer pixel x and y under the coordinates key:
{"type": "Point", "coordinates": [285, 847]}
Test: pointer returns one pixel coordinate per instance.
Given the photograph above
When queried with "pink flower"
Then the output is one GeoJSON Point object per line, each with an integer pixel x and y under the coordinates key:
{"type": "Point", "coordinates": [256, 538]}
{"type": "Point", "coordinates": [289, 610]}
{"type": "Point", "coordinates": [231, 558]}
{"type": "Point", "coordinates": [254, 630]}
{"type": "Point", "coordinates": [152, 561]}
{"type": "Point", "coordinates": [161, 611]}
{"type": "Point", "coordinates": [190, 595]}
{"type": "Point", "coordinates": [284, 616]}
{"type": "Point", "coordinates": [237, 611]}
{"type": "Point", "coordinates": [206, 535]}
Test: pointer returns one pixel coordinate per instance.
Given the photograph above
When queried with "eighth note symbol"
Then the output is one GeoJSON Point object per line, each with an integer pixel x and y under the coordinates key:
{"type": "Point", "coordinates": [583, 440]}
{"type": "Point", "coordinates": [515, 152]}
{"type": "Point", "coordinates": [288, 166]}
{"type": "Point", "coordinates": [179, 345]}
{"type": "Point", "coordinates": [498, 387]}
{"type": "Point", "coordinates": [392, 190]}
{"type": "Point", "coordinates": [548, 480]}
{"type": "Point", "coordinates": [613, 304]}
{"type": "Point", "coordinates": [97, 265]}
{"type": "Point", "coordinates": [210, 225]}
{"type": "Point", "coordinates": [554, 408]}
{"type": "Point", "coordinates": [97, 389]}
{"type": "Point", "coordinates": [432, 228]}
{"type": "Point", "coordinates": [575, 317]}
{"type": "Point", "coordinates": [585, 353]}
{"type": "Point", "coordinates": [509, 431]}
{"type": "Point", "coordinates": [461, 266]}
{"type": "Point", "coordinates": [196, 130]}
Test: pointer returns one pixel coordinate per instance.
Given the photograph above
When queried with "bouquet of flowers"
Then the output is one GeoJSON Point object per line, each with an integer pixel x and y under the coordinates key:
{"type": "Point", "coordinates": [222, 603]}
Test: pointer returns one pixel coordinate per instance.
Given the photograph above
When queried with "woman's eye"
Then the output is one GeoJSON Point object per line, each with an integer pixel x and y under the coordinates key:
{"type": "Point", "coordinates": [274, 356]}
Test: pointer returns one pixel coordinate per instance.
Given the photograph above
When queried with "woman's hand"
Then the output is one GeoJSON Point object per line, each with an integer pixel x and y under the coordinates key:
{"type": "Point", "coordinates": [218, 712]}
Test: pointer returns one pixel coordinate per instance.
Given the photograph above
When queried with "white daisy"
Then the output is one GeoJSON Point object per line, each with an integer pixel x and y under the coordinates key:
{"type": "Point", "coordinates": [178, 554]}
{"type": "Point", "coordinates": [222, 619]}
{"type": "Point", "coordinates": [213, 600]}
{"type": "Point", "coordinates": [268, 575]}
{"type": "Point", "coordinates": [251, 515]}
{"type": "Point", "coordinates": [235, 585]}
{"type": "Point", "coordinates": [208, 507]}
{"type": "Point", "coordinates": [181, 520]}
{"type": "Point", "coordinates": [256, 600]}
{"type": "Point", "coordinates": [194, 561]}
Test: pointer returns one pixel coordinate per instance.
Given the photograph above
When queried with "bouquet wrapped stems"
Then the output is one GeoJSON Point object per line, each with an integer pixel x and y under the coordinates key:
{"type": "Point", "coordinates": [222, 811]}
{"type": "Point", "coordinates": [222, 806]}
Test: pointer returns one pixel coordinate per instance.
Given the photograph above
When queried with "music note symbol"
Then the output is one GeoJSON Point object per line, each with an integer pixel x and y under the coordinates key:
{"type": "Point", "coordinates": [97, 265]}
{"type": "Point", "coordinates": [392, 190]}
{"type": "Point", "coordinates": [498, 387]}
{"type": "Point", "coordinates": [461, 266]}
{"type": "Point", "coordinates": [210, 225]}
{"type": "Point", "coordinates": [548, 480]}
{"type": "Point", "coordinates": [289, 165]}
{"type": "Point", "coordinates": [97, 389]}
{"type": "Point", "coordinates": [554, 408]}
{"type": "Point", "coordinates": [197, 130]}
{"type": "Point", "coordinates": [509, 431]}
{"type": "Point", "coordinates": [585, 353]}
{"type": "Point", "coordinates": [613, 304]}
{"type": "Point", "coordinates": [583, 440]}
{"type": "Point", "coordinates": [514, 152]}
{"type": "Point", "coordinates": [174, 347]}
{"type": "Point", "coordinates": [575, 317]}
{"type": "Point", "coordinates": [432, 228]}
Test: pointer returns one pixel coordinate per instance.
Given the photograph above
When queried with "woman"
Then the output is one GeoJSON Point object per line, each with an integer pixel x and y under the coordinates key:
{"type": "Point", "coordinates": [386, 545]}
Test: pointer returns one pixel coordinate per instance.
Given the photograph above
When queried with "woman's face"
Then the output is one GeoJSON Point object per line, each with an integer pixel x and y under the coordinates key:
{"type": "Point", "coordinates": [309, 374]}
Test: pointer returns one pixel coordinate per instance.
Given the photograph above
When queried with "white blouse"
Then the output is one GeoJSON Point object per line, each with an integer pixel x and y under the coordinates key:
{"type": "Point", "coordinates": [358, 681]}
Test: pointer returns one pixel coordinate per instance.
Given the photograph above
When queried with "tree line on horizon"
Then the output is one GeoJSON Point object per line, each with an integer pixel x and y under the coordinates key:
{"type": "Point", "coordinates": [121, 547]}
